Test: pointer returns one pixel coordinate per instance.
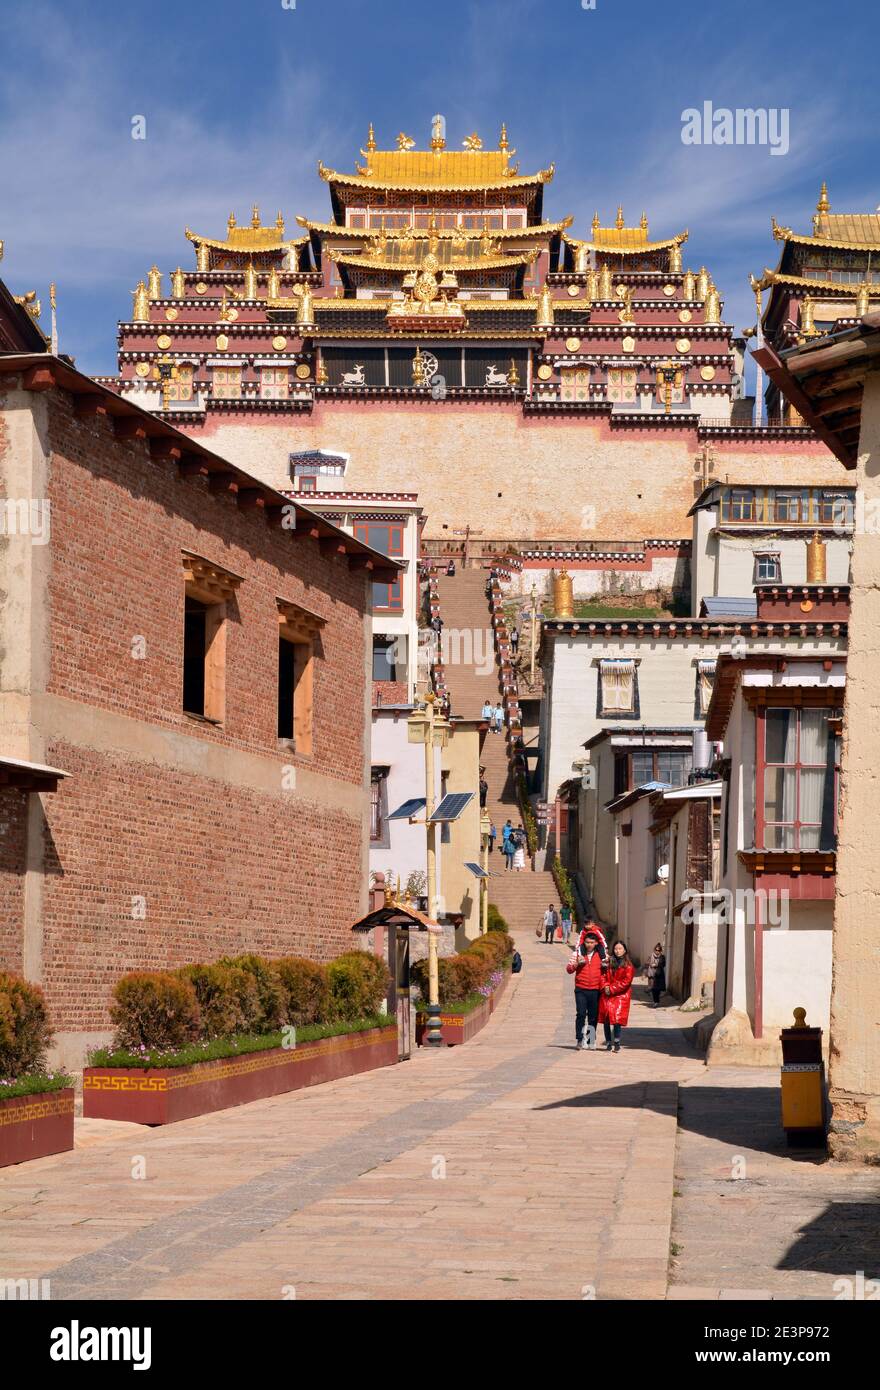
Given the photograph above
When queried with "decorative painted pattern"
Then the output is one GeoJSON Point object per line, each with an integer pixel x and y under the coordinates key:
{"type": "Point", "coordinates": [37, 1110]}
{"type": "Point", "coordinates": [221, 1070]}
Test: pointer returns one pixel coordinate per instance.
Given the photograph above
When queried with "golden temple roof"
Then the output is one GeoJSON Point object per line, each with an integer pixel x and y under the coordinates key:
{"type": "Point", "coordinates": [847, 231]}
{"type": "Point", "coordinates": [622, 240]}
{"type": "Point", "coordinates": [438, 170]}
{"type": "Point", "coordinates": [412, 257]}
{"type": "Point", "coordinates": [251, 238]}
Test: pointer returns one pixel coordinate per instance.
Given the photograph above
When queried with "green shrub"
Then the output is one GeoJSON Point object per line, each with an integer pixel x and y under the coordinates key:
{"type": "Point", "coordinates": [228, 998]}
{"type": "Point", "coordinates": [306, 987]}
{"type": "Point", "coordinates": [491, 947]}
{"type": "Point", "coordinates": [25, 1033]}
{"type": "Point", "coordinates": [359, 981]}
{"type": "Point", "coordinates": [154, 1009]}
{"type": "Point", "coordinates": [271, 998]}
{"type": "Point", "coordinates": [563, 883]}
{"type": "Point", "coordinates": [495, 921]}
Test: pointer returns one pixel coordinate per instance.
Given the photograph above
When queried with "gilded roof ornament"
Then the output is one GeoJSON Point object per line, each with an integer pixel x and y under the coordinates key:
{"type": "Point", "coordinates": [230, 223]}
{"type": "Point", "coordinates": [405, 142]}
{"type": "Point", "coordinates": [643, 223]}
{"type": "Point", "coordinates": [863, 300]}
{"type": "Point", "coordinates": [618, 221]}
{"type": "Point", "coordinates": [712, 306]}
{"type": "Point", "coordinates": [371, 142]}
{"type": "Point", "coordinates": [141, 307]}
{"type": "Point", "coordinates": [823, 204]}
{"type": "Point", "coordinates": [472, 142]}
{"type": "Point", "coordinates": [154, 282]}
{"type": "Point", "coordinates": [438, 134]}
{"type": "Point", "coordinates": [503, 143]}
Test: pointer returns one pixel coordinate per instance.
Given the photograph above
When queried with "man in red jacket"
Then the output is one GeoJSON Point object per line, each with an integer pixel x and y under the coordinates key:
{"type": "Point", "coordinates": [586, 966]}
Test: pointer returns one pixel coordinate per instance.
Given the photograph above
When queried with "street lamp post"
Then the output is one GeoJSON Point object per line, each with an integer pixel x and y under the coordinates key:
{"type": "Point", "coordinates": [430, 728]}
{"type": "Point", "coordinates": [485, 827]}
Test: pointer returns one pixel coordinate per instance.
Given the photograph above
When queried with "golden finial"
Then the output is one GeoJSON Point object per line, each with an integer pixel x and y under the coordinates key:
{"type": "Point", "coordinates": [255, 217]}
{"type": "Point", "coordinates": [154, 282]}
{"type": "Point", "coordinates": [178, 284]}
{"type": "Point", "coordinates": [863, 300]}
{"type": "Point", "coordinates": [279, 224]}
{"type": "Point", "coordinates": [203, 257]}
{"type": "Point", "coordinates": [250, 281]}
{"type": "Point", "coordinates": [141, 310]}
{"type": "Point", "coordinates": [52, 292]}
{"type": "Point", "coordinates": [675, 259]}
{"type": "Point", "coordinates": [618, 221]}
{"type": "Point", "coordinates": [643, 222]}
{"type": "Point", "coordinates": [757, 288]}
{"type": "Point", "coordinates": [305, 315]}
{"type": "Point", "coordinates": [606, 289]}
{"type": "Point", "coordinates": [418, 368]}
{"type": "Point", "coordinates": [1, 250]}
{"type": "Point", "coordinates": [273, 284]}
{"type": "Point", "coordinates": [513, 376]}
{"type": "Point", "coordinates": [712, 305]}
{"type": "Point", "coordinates": [823, 204]}
{"type": "Point", "coordinates": [405, 142]}
{"type": "Point", "coordinates": [703, 283]}
{"type": "Point", "coordinates": [689, 285]}
{"type": "Point", "coordinates": [592, 283]}
{"type": "Point", "coordinates": [321, 374]}
{"type": "Point", "coordinates": [503, 143]}
{"type": "Point", "coordinates": [230, 224]}
{"type": "Point", "coordinates": [546, 310]}
{"type": "Point", "coordinates": [582, 258]}
{"type": "Point", "coordinates": [438, 136]}
{"type": "Point", "coordinates": [371, 141]}
{"type": "Point", "coordinates": [389, 892]}
{"type": "Point", "coordinates": [595, 222]}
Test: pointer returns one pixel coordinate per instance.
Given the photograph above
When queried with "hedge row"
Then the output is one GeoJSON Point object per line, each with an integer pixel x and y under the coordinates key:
{"type": "Point", "coordinates": [169, 1009]}
{"type": "Point", "coordinates": [462, 975]}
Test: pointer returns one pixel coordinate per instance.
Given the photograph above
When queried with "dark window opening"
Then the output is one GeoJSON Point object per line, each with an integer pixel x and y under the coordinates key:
{"type": "Point", "coordinates": [195, 635]}
{"type": "Point", "coordinates": [286, 684]}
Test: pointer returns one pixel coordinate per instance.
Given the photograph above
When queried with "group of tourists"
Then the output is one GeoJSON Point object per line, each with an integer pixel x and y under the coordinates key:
{"type": "Point", "coordinates": [514, 844]}
{"type": "Point", "coordinates": [493, 715]}
{"type": "Point", "coordinates": [602, 988]}
{"type": "Point", "coordinates": [557, 926]}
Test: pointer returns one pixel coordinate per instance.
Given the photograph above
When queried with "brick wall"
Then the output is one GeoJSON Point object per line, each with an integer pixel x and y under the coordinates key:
{"type": "Point", "coordinates": [173, 839]}
{"type": "Point", "coordinates": [13, 824]}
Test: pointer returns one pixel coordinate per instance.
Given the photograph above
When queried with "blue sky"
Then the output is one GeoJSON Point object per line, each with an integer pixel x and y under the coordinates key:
{"type": "Point", "coordinates": [242, 99]}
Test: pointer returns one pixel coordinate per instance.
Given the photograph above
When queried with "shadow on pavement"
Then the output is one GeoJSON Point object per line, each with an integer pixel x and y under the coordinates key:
{"type": "Point", "coordinates": [844, 1240]}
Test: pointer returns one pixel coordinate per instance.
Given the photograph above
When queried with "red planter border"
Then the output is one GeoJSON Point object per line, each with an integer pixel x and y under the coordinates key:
{"type": "Point", "coordinates": [164, 1095]}
{"type": "Point", "coordinates": [35, 1126]}
{"type": "Point", "coordinates": [460, 1028]}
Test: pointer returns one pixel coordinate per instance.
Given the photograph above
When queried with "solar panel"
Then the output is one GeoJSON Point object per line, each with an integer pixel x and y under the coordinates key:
{"type": "Point", "coordinates": [451, 806]}
{"type": "Point", "coordinates": [475, 869]}
{"type": "Point", "coordinates": [409, 809]}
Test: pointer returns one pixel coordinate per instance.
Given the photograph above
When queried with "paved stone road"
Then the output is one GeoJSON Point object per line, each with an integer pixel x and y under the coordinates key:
{"type": "Point", "coordinates": [511, 1168]}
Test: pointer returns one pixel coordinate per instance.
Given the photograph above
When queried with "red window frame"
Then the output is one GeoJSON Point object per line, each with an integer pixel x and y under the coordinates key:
{"type": "Point", "coordinates": [762, 766]}
{"type": "Point", "coordinates": [387, 537]}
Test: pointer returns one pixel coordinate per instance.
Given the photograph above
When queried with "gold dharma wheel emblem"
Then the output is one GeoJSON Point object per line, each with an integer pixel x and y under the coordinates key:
{"type": "Point", "coordinates": [669, 290]}
{"type": "Point", "coordinates": [171, 315]}
{"type": "Point", "coordinates": [303, 371]}
{"type": "Point", "coordinates": [231, 315]}
{"type": "Point", "coordinates": [574, 291]}
{"type": "Point", "coordinates": [707, 373]}
{"type": "Point", "coordinates": [572, 344]}
{"type": "Point", "coordinates": [279, 343]}
{"type": "Point", "coordinates": [296, 291]}
{"type": "Point", "coordinates": [163, 341]}
{"type": "Point", "coordinates": [807, 606]}
{"type": "Point", "coordinates": [685, 316]}
{"type": "Point", "coordinates": [620, 291]}
{"type": "Point", "coordinates": [222, 342]}
{"type": "Point", "coordinates": [201, 287]}
{"type": "Point", "coordinates": [143, 369]}
{"type": "Point", "coordinates": [629, 345]}
{"type": "Point", "coordinates": [545, 372]}
{"type": "Point", "coordinates": [683, 345]}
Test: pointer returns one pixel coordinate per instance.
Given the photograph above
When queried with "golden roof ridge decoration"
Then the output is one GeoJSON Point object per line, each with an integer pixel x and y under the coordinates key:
{"type": "Point", "coordinates": [446, 171]}
{"type": "Point", "coordinates": [831, 289]}
{"type": "Point", "coordinates": [245, 245]}
{"type": "Point", "coordinates": [492, 262]}
{"type": "Point", "coordinates": [866, 223]}
{"type": "Point", "coordinates": [626, 248]}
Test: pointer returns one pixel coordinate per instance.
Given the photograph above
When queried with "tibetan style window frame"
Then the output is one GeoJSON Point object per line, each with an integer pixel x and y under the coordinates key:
{"type": "Point", "coordinates": [214, 587]}
{"type": "Point", "coordinates": [379, 808]}
{"type": "Point", "coordinates": [704, 678]}
{"type": "Point", "coordinates": [776, 557]}
{"type": "Point", "coordinates": [301, 628]}
{"type": "Point", "coordinates": [606, 712]}
{"type": "Point", "coordinates": [797, 701]}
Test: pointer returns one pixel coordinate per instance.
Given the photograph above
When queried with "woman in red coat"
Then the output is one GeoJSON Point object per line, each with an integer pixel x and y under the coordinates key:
{"type": "Point", "coordinates": [615, 995]}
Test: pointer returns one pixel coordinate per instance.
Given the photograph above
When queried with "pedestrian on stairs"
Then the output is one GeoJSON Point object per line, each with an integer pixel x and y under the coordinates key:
{"type": "Point", "coordinates": [565, 914]}
{"type": "Point", "coordinates": [519, 852]}
{"type": "Point", "coordinates": [487, 712]}
{"type": "Point", "coordinates": [551, 922]}
{"type": "Point", "coordinates": [450, 569]}
{"type": "Point", "coordinates": [484, 791]}
{"type": "Point", "coordinates": [616, 995]}
{"type": "Point", "coordinates": [493, 836]}
{"type": "Point", "coordinates": [499, 718]}
{"type": "Point", "coordinates": [586, 966]}
{"type": "Point", "coordinates": [514, 641]}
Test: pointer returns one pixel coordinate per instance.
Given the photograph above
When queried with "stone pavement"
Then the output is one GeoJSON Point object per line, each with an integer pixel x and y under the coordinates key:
{"type": "Point", "coordinates": [511, 1168]}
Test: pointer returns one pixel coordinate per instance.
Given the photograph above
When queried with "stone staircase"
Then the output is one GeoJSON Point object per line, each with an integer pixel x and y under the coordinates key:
{"type": "Point", "coordinates": [522, 898]}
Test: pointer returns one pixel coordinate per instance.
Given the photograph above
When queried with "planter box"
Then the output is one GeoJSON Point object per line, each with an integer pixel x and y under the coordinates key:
{"type": "Point", "coordinates": [460, 1028]}
{"type": "Point", "coordinates": [34, 1126]}
{"type": "Point", "coordinates": [164, 1095]}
